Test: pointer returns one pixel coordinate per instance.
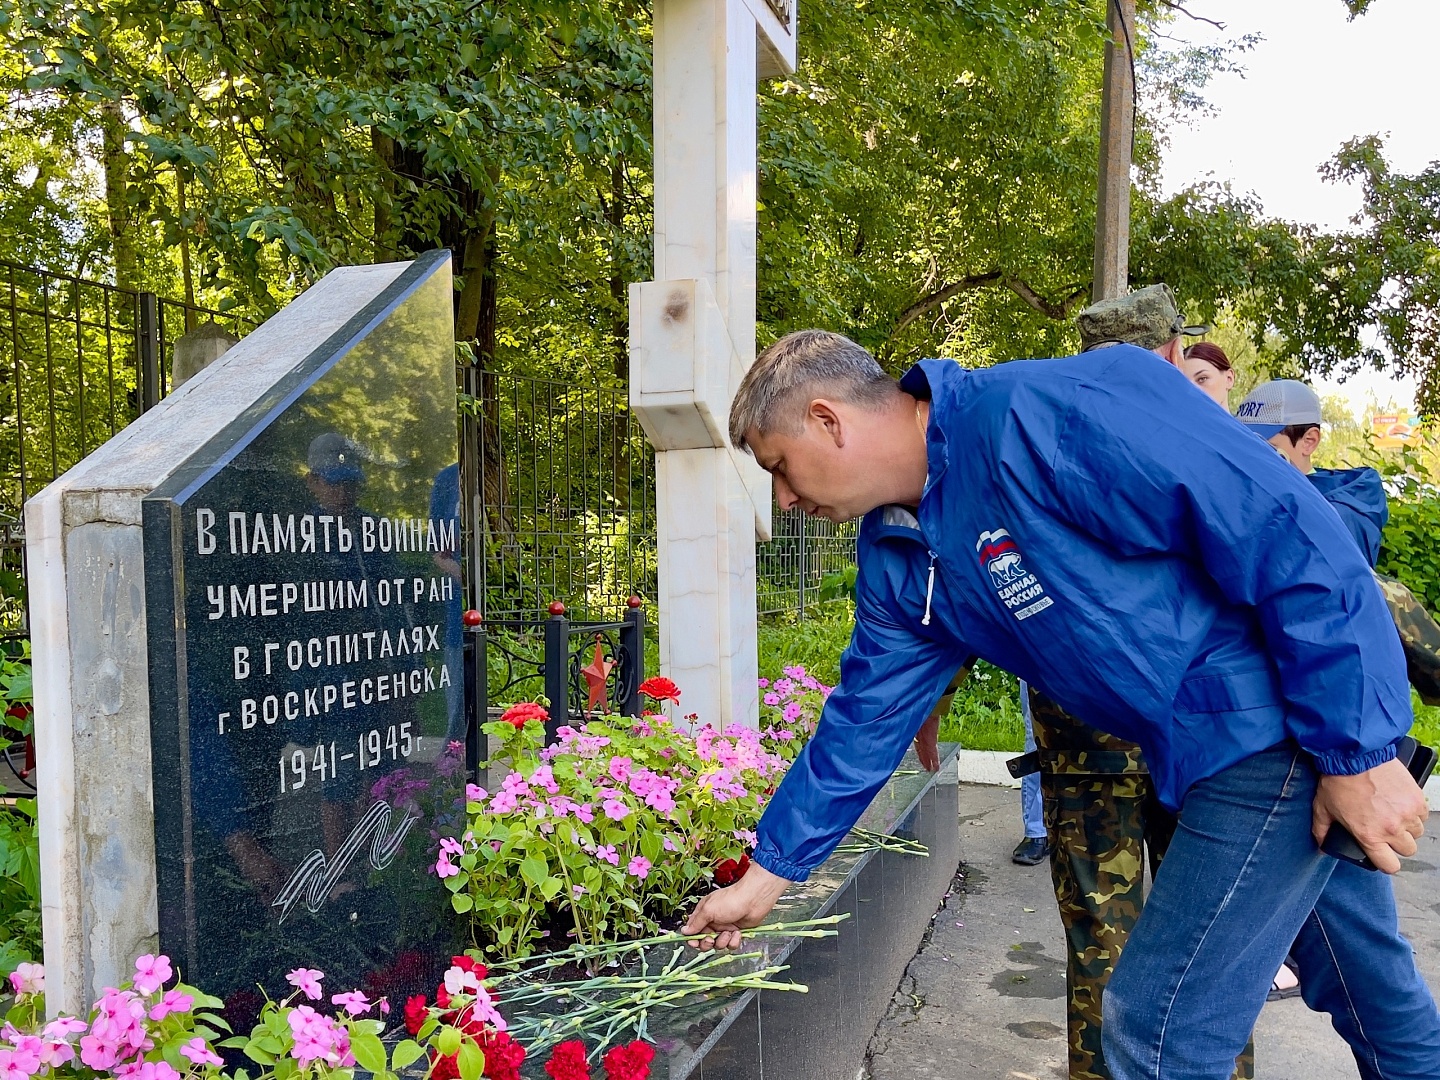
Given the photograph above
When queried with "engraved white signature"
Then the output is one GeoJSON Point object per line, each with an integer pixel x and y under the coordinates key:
{"type": "Point", "coordinates": [317, 875]}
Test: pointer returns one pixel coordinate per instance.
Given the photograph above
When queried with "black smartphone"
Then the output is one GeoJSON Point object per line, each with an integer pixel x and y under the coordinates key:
{"type": "Point", "coordinates": [1415, 756]}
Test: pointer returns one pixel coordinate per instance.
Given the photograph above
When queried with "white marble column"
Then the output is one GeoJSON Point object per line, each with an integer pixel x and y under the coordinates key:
{"type": "Point", "coordinates": [692, 334]}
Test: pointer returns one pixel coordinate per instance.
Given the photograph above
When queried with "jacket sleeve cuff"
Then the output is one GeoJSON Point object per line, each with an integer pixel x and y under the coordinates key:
{"type": "Point", "coordinates": [1337, 763]}
{"type": "Point", "coordinates": [778, 865]}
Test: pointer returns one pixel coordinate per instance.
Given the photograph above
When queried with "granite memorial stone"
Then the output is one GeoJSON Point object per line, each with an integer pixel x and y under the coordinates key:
{"type": "Point", "coordinates": [302, 734]}
{"type": "Point", "coordinates": [246, 685]}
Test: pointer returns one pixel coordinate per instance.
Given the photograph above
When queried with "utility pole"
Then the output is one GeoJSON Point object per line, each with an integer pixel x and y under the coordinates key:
{"type": "Point", "coordinates": [1117, 135]}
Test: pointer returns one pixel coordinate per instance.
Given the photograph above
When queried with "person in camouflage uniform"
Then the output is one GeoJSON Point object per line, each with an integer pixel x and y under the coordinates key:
{"type": "Point", "coordinates": [1419, 637]}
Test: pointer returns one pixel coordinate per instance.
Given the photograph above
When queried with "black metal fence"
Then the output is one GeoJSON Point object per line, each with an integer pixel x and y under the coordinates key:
{"type": "Point", "coordinates": [564, 479]}
{"type": "Point", "coordinates": [79, 360]}
{"type": "Point", "coordinates": [803, 566]}
{"type": "Point", "coordinates": [565, 484]}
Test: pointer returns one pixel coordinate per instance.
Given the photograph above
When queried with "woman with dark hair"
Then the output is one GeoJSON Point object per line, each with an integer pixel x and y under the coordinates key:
{"type": "Point", "coordinates": [1207, 366]}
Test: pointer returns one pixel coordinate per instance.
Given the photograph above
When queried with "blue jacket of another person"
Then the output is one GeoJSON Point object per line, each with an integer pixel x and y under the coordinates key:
{"type": "Point", "coordinates": [1097, 527]}
{"type": "Point", "coordinates": [1358, 496]}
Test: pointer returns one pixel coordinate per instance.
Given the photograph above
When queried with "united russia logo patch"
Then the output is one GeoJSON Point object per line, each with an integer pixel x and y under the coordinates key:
{"type": "Point", "coordinates": [1019, 590]}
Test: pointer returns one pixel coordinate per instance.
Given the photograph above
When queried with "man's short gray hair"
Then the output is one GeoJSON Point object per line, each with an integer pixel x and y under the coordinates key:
{"type": "Point", "coordinates": [795, 370]}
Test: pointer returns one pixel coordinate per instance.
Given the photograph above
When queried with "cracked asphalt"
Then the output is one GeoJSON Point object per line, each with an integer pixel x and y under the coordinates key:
{"type": "Point", "coordinates": [985, 996]}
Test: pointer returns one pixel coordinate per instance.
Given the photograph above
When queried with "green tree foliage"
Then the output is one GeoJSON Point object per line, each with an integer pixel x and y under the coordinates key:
{"type": "Point", "coordinates": [926, 178]}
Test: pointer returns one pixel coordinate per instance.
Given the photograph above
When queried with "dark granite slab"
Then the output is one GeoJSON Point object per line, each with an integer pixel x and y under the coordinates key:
{"type": "Point", "coordinates": [303, 624]}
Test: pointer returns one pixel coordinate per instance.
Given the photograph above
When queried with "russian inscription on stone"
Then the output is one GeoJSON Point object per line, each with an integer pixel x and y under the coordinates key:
{"type": "Point", "coordinates": [303, 607]}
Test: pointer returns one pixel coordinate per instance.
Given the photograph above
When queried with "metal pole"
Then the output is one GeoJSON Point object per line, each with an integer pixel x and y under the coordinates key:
{"type": "Point", "coordinates": [632, 649]}
{"type": "Point", "coordinates": [1117, 136]}
{"type": "Point", "coordinates": [477, 698]}
{"type": "Point", "coordinates": [471, 463]}
{"type": "Point", "coordinates": [148, 339]}
{"type": "Point", "coordinates": [557, 669]}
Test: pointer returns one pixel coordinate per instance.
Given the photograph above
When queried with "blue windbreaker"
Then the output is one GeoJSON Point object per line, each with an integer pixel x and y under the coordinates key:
{"type": "Point", "coordinates": [1358, 496]}
{"type": "Point", "coordinates": [1101, 530]}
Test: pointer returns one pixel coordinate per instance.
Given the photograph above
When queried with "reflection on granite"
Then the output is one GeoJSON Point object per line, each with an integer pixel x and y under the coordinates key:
{"type": "Point", "coordinates": [890, 899]}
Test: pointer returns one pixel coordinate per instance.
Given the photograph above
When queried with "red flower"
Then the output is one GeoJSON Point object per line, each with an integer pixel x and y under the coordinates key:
{"type": "Point", "coordinates": [661, 689]}
{"type": "Point", "coordinates": [729, 871]}
{"type": "Point", "coordinates": [503, 1056]}
{"type": "Point", "coordinates": [630, 1062]}
{"type": "Point", "coordinates": [416, 1013]}
{"type": "Point", "coordinates": [567, 1062]}
{"type": "Point", "coordinates": [466, 963]}
{"type": "Point", "coordinates": [518, 715]}
{"type": "Point", "coordinates": [446, 1067]}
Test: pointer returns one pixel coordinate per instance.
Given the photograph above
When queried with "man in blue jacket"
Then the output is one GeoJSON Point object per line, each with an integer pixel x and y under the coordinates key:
{"type": "Point", "coordinates": [1097, 508]}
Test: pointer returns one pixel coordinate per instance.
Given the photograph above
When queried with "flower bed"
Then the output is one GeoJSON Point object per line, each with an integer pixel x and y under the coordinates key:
{"type": "Point", "coordinates": [616, 827]}
{"type": "Point", "coordinates": [605, 835]}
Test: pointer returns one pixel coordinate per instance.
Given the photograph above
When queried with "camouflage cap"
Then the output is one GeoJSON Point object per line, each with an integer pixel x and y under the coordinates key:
{"type": "Point", "coordinates": [1148, 318]}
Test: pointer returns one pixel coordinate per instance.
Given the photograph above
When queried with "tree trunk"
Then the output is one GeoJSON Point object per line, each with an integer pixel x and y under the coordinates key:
{"type": "Point", "coordinates": [116, 163]}
{"type": "Point", "coordinates": [384, 148]}
{"type": "Point", "coordinates": [620, 324]}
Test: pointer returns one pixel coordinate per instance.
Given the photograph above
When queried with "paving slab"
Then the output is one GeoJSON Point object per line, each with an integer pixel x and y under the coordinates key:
{"type": "Point", "coordinates": [985, 996]}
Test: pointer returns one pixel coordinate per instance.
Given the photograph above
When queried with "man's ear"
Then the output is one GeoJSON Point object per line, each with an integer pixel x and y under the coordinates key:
{"type": "Point", "coordinates": [1174, 352]}
{"type": "Point", "coordinates": [1310, 441]}
{"type": "Point", "coordinates": [828, 417]}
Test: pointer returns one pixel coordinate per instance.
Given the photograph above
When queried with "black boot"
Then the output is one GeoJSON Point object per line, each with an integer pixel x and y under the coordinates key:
{"type": "Point", "coordinates": [1031, 851]}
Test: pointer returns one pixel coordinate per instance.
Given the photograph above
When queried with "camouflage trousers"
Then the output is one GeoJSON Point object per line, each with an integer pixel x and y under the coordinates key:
{"type": "Point", "coordinates": [1103, 821]}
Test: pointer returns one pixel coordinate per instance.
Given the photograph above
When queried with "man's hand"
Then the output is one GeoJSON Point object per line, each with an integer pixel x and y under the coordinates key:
{"type": "Point", "coordinates": [1383, 808]}
{"type": "Point", "coordinates": [927, 743]}
{"type": "Point", "coordinates": [725, 912]}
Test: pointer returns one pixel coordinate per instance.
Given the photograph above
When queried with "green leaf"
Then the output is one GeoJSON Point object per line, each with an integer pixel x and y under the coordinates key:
{"type": "Point", "coordinates": [259, 1055]}
{"type": "Point", "coordinates": [461, 902]}
{"type": "Point", "coordinates": [534, 871]}
{"type": "Point", "coordinates": [407, 1052]}
{"type": "Point", "coordinates": [471, 1061]}
{"type": "Point", "coordinates": [550, 887]}
{"type": "Point", "coordinates": [448, 1041]}
{"type": "Point", "coordinates": [369, 1052]}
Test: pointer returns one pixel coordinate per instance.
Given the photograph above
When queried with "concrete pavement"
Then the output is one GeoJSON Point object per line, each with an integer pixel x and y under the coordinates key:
{"type": "Point", "coordinates": [985, 996]}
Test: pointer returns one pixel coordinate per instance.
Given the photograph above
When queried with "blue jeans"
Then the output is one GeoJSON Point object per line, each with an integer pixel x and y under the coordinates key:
{"type": "Point", "coordinates": [1032, 804]}
{"type": "Point", "coordinates": [1242, 880]}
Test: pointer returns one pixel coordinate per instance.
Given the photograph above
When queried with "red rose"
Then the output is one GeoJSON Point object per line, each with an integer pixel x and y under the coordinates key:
{"type": "Point", "coordinates": [416, 1013]}
{"type": "Point", "coordinates": [503, 1056]}
{"type": "Point", "coordinates": [518, 715]}
{"type": "Point", "coordinates": [729, 871]}
{"type": "Point", "coordinates": [567, 1062]}
{"type": "Point", "coordinates": [630, 1062]}
{"type": "Point", "coordinates": [661, 689]}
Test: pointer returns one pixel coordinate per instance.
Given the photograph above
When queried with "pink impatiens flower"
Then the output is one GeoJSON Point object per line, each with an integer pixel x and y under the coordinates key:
{"type": "Point", "coordinates": [318, 1038]}
{"type": "Point", "coordinates": [151, 972]}
{"type": "Point", "coordinates": [616, 810]}
{"type": "Point", "coordinates": [355, 1002]}
{"type": "Point", "coordinates": [117, 1032]}
{"type": "Point", "coordinates": [18, 1065]}
{"type": "Point", "coordinates": [173, 1002]}
{"type": "Point", "coordinates": [195, 1050]}
{"type": "Point", "coordinates": [475, 793]}
{"type": "Point", "coordinates": [608, 854]}
{"type": "Point", "coordinates": [639, 867]}
{"type": "Point", "coordinates": [307, 981]}
{"type": "Point", "coordinates": [28, 979]}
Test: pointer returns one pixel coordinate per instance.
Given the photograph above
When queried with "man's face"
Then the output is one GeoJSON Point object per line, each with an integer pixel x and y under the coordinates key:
{"type": "Point", "coordinates": [818, 470]}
